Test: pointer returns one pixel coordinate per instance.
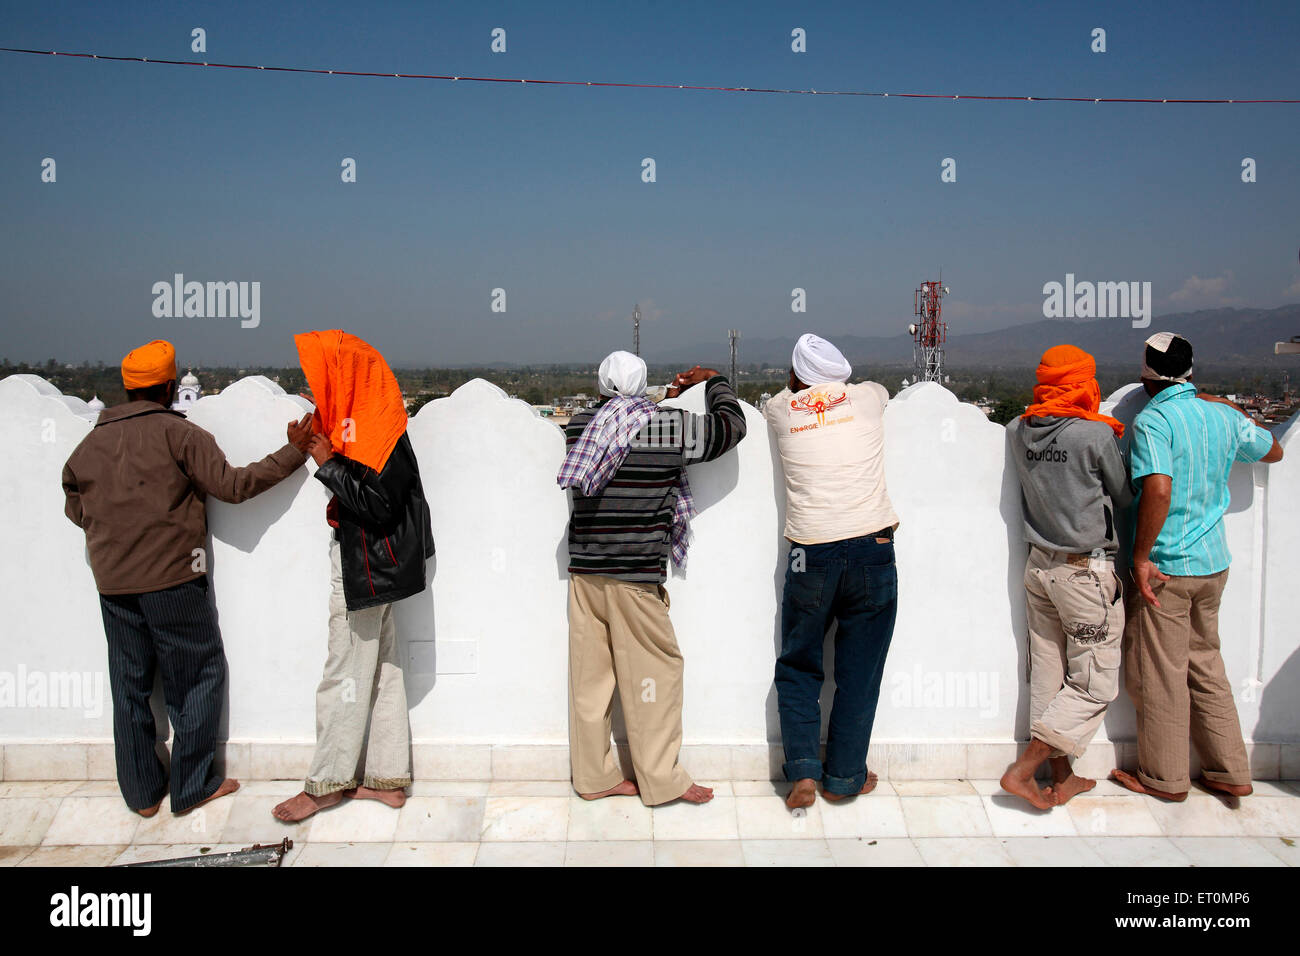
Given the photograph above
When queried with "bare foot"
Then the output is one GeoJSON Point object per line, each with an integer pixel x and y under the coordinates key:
{"type": "Point", "coordinates": [1019, 780]}
{"type": "Point", "coordinates": [697, 794]}
{"type": "Point", "coordinates": [867, 787]}
{"type": "Point", "coordinates": [1230, 789]}
{"type": "Point", "coordinates": [150, 811]}
{"type": "Point", "coordinates": [304, 805]}
{"type": "Point", "coordinates": [625, 789]}
{"type": "Point", "coordinates": [1071, 786]}
{"type": "Point", "coordinates": [394, 798]}
{"type": "Point", "coordinates": [804, 793]}
{"type": "Point", "coordinates": [1130, 782]}
{"type": "Point", "coordinates": [228, 786]}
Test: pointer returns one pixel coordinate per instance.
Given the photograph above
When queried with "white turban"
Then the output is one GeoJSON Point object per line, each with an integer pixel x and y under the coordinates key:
{"type": "Point", "coordinates": [817, 362]}
{"type": "Point", "coordinates": [622, 373]}
{"type": "Point", "coordinates": [1161, 342]}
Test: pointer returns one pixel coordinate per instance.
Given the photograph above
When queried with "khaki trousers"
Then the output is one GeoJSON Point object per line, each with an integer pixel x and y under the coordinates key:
{"type": "Point", "coordinates": [620, 636]}
{"type": "Point", "coordinates": [362, 684]}
{"type": "Point", "coordinates": [1076, 625]}
{"type": "Point", "coordinates": [1179, 687]}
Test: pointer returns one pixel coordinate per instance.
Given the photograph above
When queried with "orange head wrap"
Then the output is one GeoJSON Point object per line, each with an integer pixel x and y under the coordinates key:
{"type": "Point", "coordinates": [1067, 387]}
{"type": "Point", "coordinates": [152, 364]}
{"type": "Point", "coordinates": [359, 405]}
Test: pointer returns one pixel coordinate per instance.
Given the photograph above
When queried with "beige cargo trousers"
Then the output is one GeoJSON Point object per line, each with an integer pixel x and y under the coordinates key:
{"type": "Point", "coordinates": [1076, 627]}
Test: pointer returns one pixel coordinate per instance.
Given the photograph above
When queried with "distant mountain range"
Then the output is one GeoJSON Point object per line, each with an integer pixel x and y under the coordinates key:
{"type": "Point", "coordinates": [1232, 337]}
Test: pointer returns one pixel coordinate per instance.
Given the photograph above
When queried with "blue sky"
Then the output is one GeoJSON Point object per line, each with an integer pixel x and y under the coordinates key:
{"type": "Point", "coordinates": [463, 188]}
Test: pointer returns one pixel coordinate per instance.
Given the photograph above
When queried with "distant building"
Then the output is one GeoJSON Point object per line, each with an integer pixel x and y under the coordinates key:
{"type": "Point", "coordinates": [567, 405]}
{"type": "Point", "coordinates": [188, 393]}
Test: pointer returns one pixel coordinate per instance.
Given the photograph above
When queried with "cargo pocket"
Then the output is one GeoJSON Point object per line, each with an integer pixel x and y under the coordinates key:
{"type": "Point", "coordinates": [1103, 672]}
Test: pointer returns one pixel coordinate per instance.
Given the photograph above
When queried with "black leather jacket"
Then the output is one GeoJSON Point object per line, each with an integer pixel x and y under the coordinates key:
{"type": "Point", "coordinates": [384, 530]}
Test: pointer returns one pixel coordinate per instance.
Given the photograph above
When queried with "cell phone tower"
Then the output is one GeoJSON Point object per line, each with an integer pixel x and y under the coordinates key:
{"type": "Point", "coordinates": [636, 329]}
{"type": "Point", "coordinates": [929, 332]}
{"type": "Point", "coordinates": [733, 336]}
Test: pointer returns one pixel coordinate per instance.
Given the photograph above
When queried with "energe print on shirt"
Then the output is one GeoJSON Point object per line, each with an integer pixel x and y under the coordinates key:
{"type": "Point", "coordinates": [818, 401]}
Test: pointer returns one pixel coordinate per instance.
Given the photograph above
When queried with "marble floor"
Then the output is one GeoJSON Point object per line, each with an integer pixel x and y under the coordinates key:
{"type": "Point", "coordinates": [904, 823]}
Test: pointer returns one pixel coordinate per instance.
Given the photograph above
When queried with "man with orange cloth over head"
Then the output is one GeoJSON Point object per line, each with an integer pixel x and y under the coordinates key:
{"type": "Point", "coordinates": [137, 486]}
{"type": "Point", "coordinates": [1073, 480]}
{"type": "Point", "coordinates": [381, 538]}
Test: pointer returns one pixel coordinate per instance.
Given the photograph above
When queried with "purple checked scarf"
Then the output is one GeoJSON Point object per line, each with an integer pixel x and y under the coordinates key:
{"type": "Point", "coordinates": [599, 453]}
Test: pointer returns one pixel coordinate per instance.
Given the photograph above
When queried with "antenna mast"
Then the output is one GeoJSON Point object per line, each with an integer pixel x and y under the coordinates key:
{"type": "Point", "coordinates": [929, 332]}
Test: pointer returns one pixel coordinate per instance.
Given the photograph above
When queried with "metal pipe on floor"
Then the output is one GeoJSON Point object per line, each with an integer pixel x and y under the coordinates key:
{"type": "Point", "coordinates": [256, 855]}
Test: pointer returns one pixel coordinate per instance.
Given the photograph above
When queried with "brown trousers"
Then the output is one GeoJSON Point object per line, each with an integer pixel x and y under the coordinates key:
{"type": "Point", "coordinates": [1176, 678]}
{"type": "Point", "coordinates": [620, 638]}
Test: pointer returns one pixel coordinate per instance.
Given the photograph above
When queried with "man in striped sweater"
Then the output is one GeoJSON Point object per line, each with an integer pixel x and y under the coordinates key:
{"type": "Point", "coordinates": [631, 510]}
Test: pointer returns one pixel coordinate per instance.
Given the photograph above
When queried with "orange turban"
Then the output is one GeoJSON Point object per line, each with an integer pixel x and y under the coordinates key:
{"type": "Point", "coordinates": [358, 402]}
{"type": "Point", "coordinates": [152, 364]}
{"type": "Point", "coordinates": [1067, 387]}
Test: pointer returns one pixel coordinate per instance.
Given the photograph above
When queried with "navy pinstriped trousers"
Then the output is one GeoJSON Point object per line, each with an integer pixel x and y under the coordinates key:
{"type": "Point", "coordinates": [174, 630]}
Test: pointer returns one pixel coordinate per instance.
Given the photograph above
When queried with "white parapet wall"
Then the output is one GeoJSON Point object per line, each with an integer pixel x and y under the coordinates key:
{"type": "Point", "coordinates": [486, 645]}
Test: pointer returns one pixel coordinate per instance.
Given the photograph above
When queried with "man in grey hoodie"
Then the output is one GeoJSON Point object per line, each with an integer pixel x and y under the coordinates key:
{"type": "Point", "coordinates": [1073, 479]}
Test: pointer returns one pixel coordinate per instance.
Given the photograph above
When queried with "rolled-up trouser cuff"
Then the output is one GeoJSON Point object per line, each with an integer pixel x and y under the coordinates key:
{"type": "Point", "coordinates": [386, 783]}
{"type": "Point", "coordinates": [802, 769]}
{"type": "Point", "coordinates": [844, 786]}
{"type": "Point", "coordinates": [1240, 779]}
{"type": "Point", "coordinates": [319, 788]}
{"type": "Point", "coordinates": [1168, 786]}
{"type": "Point", "coordinates": [1062, 746]}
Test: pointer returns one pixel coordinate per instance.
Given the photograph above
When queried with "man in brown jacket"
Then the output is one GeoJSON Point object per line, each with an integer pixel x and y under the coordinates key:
{"type": "Point", "coordinates": [137, 486]}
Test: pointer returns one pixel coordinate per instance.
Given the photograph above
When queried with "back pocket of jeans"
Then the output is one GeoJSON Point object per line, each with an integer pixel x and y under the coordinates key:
{"type": "Point", "coordinates": [803, 589]}
{"type": "Point", "coordinates": [882, 584]}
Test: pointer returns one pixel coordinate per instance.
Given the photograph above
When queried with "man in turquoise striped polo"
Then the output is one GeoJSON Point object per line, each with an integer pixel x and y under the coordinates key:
{"type": "Point", "coordinates": [1184, 445]}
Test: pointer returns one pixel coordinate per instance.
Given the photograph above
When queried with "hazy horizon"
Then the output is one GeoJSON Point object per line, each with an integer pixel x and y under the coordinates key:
{"type": "Point", "coordinates": [234, 176]}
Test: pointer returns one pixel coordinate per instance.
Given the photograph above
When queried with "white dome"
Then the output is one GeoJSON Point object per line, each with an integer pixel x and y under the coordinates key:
{"type": "Point", "coordinates": [95, 404]}
{"type": "Point", "coordinates": [190, 379]}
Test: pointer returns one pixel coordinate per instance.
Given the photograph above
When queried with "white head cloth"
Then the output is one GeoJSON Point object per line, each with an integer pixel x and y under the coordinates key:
{"type": "Point", "coordinates": [1160, 342]}
{"type": "Point", "coordinates": [622, 373]}
{"type": "Point", "coordinates": [817, 362]}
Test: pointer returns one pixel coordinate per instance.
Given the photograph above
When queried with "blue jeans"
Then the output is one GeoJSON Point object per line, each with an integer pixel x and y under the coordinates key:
{"type": "Point", "coordinates": [855, 582]}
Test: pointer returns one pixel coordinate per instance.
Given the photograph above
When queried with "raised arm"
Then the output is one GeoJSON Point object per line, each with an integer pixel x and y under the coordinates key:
{"type": "Point", "coordinates": [207, 467]}
{"type": "Point", "coordinates": [1257, 444]}
{"type": "Point", "coordinates": [721, 427]}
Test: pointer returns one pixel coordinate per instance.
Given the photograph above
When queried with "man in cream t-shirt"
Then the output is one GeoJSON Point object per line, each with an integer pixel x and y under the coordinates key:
{"type": "Point", "coordinates": [840, 524]}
